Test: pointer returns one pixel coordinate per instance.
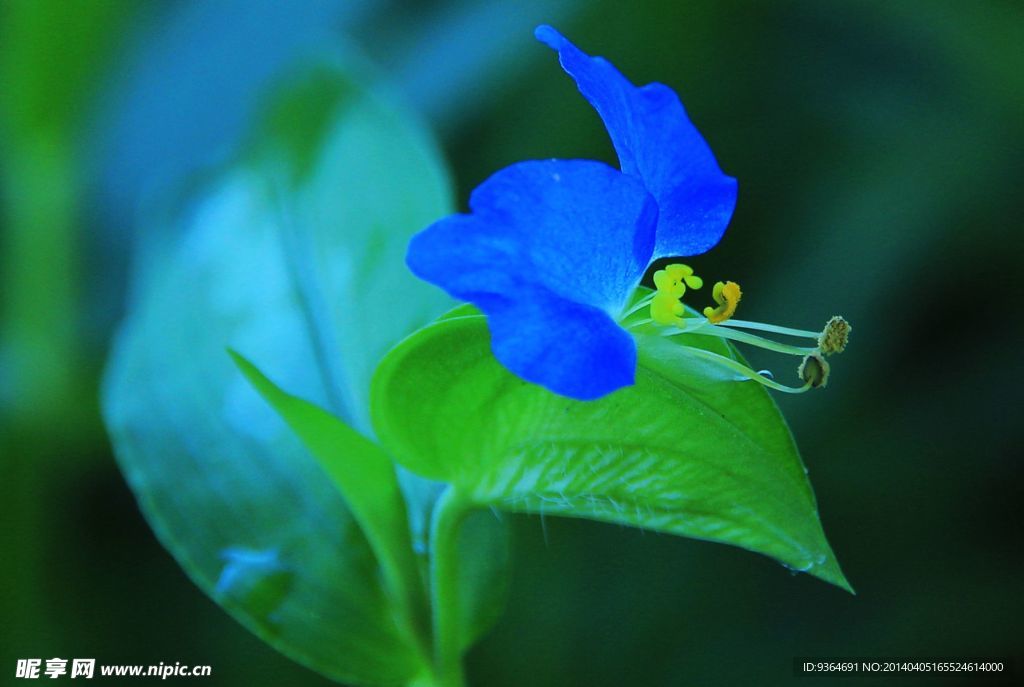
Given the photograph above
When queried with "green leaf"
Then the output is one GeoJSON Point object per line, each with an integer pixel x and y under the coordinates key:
{"type": "Point", "coordinates": [365, 477]}
{"type": "Point", "coordinates": [294, 256]}
{"type": "Point", "coordinates": [687, 450]}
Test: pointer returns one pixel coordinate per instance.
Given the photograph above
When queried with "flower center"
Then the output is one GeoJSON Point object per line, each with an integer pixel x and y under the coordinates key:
{"type": "Point", "coordinates": [666, 309]}
{"type": "Point", "coordinates": [672, 282]}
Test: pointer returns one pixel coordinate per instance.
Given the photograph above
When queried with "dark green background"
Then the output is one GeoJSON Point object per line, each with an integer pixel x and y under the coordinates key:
{"type": "Point", "coordinates": [879, 148]}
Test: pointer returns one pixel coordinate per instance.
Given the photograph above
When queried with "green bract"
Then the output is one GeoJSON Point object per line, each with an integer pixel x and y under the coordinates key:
{"type": "Point", "coordinates": [687, 450]}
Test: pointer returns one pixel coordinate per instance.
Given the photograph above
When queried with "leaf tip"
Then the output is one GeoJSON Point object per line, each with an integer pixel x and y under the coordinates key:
{"type": "Point", "coordinates": [829, 571]}
{"type": "Point", "coordinates": [248, 370]}
{"type": "Point", "coordinates": [237, 357]}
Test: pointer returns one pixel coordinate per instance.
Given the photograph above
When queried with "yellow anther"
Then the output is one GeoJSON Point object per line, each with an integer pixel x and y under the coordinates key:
{"type": "Point", "coordinates": [666, 309]}
{"type": "Point", "coordinates": [675, 278]}
{"type": "Point", "coordinates": [727, 296]}
{"type": "Point", "coordinates": [834, 337]}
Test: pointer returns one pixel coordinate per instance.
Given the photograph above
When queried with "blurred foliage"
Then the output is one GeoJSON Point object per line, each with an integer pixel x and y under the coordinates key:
{"type": "Point", "coordinates": [272, 255]}
{"type": "Point", "coordinates": [879, 148]}
{"type": "Point", "coordinates": [52, 56]}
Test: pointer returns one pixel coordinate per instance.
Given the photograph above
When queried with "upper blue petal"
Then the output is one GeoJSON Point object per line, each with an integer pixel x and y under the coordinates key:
{"type": "Point", "coordinates": [579, 228]}
{"type": "Point", "coordinates": [551, 253]}
{"type": "Point", "coordinates": [656, 142]}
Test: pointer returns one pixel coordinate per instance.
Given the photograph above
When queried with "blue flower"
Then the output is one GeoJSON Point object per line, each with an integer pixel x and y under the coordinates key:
{"type": "Point", "coordinates": [552, 250]}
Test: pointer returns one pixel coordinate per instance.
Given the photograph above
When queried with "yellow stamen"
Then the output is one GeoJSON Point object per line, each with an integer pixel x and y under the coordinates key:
{"type": "Point", "coordinates": [675, 278]}
{"type": "Point", "coordinates": [727, 295]}
{"type": "Point", "coordinates": [835, 336]}
{"type": "Point", "coordinates": [666, 309]}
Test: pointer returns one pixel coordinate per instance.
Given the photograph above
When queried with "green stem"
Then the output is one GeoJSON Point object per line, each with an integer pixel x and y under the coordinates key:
{"type": "Point", "coordinates": [448, 515]}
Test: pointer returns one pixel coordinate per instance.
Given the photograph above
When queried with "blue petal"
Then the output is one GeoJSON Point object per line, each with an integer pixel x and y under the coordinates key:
{"type": "Point", "coordinates": [551, 254]}
{"type": "Point", "coordinates": [578, 228]}
{"type": "Point", "coordinates": [572, 349]}
{"type": "Point", "coordinates": [656, 142]}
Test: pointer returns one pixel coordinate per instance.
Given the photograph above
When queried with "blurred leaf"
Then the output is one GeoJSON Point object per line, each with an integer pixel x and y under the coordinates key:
{"type": "Point", "coordinates": [294, 257]}
{"type": "Point", "coordinates": [686, 450]}
{"type": "Point", "coordinates": [369, 182]}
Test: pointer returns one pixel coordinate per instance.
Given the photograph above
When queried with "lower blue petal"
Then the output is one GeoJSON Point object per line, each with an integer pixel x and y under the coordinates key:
{"type": "Point", "coordinates": [572, 349]}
